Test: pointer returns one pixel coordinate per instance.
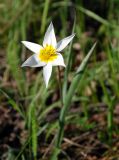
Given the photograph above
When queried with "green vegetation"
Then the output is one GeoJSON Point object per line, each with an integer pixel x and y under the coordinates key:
{"type": "Point", "coordinates": [86, 102]}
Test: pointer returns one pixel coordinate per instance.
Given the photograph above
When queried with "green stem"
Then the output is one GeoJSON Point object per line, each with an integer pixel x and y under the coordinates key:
{"type": "Point", "coordinates": [61, 122]}
{"type": "Point", "coordinates": [60, 85]}
{"type": "Point", "coordinates": [110, 105]}
{"type": "Point", "coordinates": [63, 115]}
{"type": "Point", "coordinates": [110, 122]}
{"type": "Point", "coordinates": [61, 128]}
{"type": "Point", "coordinates": [67, 103]}
{"type": "Point", "coordinates": [85, 111]}
{"type": "Point", "coordinates": [45, 12]}
{"type": "Point", "coordinates": [61, 119]}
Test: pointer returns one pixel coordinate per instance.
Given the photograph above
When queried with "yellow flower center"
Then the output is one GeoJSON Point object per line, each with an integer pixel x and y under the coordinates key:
{"type": "Point", "coordinates": [48, 54]}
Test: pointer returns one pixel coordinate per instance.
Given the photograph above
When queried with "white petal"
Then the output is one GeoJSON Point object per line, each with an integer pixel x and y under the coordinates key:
{"type": "Point", "coordinates": [32, 46]}
{"type": "Point", "coordinates": [59, 61]}
{"type": "Point", "coordinates": [33, 61]}
{"type": "Point", "coordinates": [64, 42]}
{"type": "Point", "coordinates": [49, 37]}
{"type": "Point", "coordinates": [47, 70]}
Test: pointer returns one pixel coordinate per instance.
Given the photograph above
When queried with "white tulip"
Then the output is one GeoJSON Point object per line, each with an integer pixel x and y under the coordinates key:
{"type": "Point", "coordinates": [47, 55]}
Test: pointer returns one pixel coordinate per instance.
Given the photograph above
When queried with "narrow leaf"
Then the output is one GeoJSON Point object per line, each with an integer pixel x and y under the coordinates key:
{"type": "Point", "coordinates": [34, 132]}
{"type": "Point", "coordinates": [74, 84]}
{"type": "Point", "coordinates": [64, 91]}
{"type": "Point", "coordinates": [95, 16]}
{"type": "Point", "coordinates": [83, 64]}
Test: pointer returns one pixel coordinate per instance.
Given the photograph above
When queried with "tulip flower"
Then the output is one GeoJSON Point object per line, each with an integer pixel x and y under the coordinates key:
{"type": "Point", "coordinates": [48, 54]}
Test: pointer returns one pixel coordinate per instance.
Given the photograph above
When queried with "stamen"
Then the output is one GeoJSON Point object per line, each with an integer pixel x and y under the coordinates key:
{"type": "Point", "coordinates": [48, 54]}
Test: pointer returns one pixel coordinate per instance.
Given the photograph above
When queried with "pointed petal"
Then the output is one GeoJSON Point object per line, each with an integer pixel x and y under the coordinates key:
{"type": "Point", "coordinates": [33, 61]}
{"type": "Point", "coordinates": [59, 61]}
{"type": "Point", "coordinates": [49, 37]}
{"type": "Point", "coordinates": [32, 46]}
{"type": "Point", "coordinates": [64, 42]}
{"type": "Point", "coordinates": [47, 70]}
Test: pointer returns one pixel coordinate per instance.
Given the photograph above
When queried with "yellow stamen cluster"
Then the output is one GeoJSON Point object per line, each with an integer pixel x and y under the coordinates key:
{"type": "Point", "coordinates": [48, 54]}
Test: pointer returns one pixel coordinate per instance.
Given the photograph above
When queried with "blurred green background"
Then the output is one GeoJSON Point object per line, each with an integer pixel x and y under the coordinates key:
{"type": "Point", "coordinates": [94, 109]}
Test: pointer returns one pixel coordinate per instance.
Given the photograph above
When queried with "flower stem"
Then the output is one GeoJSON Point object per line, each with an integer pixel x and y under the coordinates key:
{"type": "Point", "coordinates": [61, 128]}
{"type": "Point", "coordinates": [67, 103]}
{"type": "Point", "coordinates": [110, 121]}
{"type": "Point", "coordinates": [61, 121]}
{"type": "Point", "coordinates": [59, 135]}
{"type": "Point", "coordinates": [60, 85]}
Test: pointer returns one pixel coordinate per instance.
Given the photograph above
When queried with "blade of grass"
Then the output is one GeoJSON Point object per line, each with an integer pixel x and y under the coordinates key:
{"type": "Point", "coordinates": [13, 61]}
{"type": "Point", "coordinates": [72, 89]}
{"type": "Point", "coordinates": [13, 103]}
{"type": "Point", "coordinates": [28, 141]}
{"type": "Point", "coordinates": [110, 103]}
{"type": "Point", "coordinates": [34, 133]}
{"type": "Point", "coordinates": [64, 90]}
{"type": "Point", "coordinates": [67, 103]}
{"type": "Point", "coordinates": [95, 16]}
{"type": "Point", "coordinates": [45, 13]}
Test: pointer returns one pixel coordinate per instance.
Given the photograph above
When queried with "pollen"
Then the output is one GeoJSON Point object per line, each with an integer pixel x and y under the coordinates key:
{"type": "Point", "coordinates": [48, 54]}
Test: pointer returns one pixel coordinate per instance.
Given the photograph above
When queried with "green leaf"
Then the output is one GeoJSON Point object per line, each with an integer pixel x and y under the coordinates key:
{"type": "Point", "coordinates": [75, 82]}
{"type": "Point", "coordinates": [67, 70]}
{"type": "Point", "coordinates": [67, 102]}
{"type": "Point", "coordinates": [13, 104]}
{"type": "Point", "coordinates": [96, 17]}
{"type": "Point", "coordinates": [84, 63]}
{"type": "Point", "coordinates": [34, 132]}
